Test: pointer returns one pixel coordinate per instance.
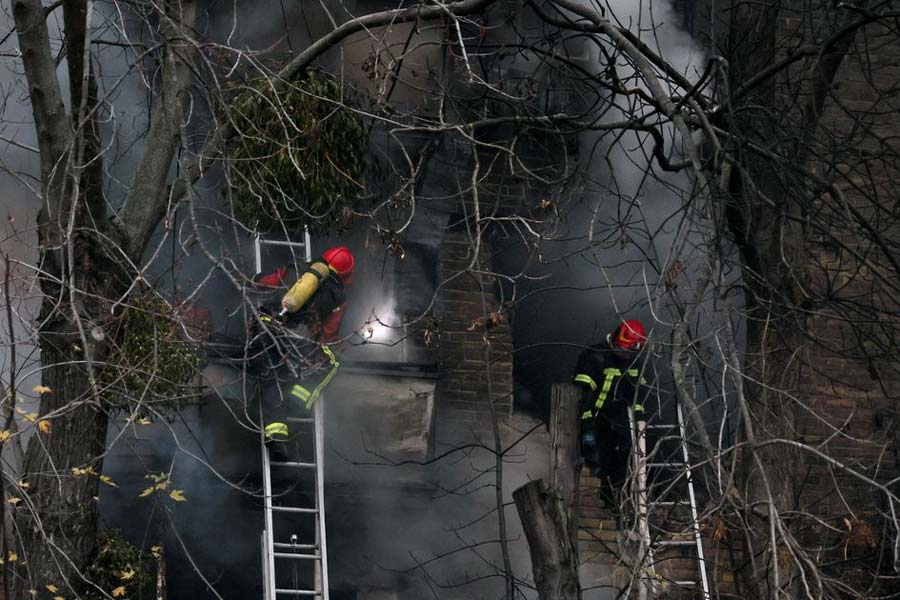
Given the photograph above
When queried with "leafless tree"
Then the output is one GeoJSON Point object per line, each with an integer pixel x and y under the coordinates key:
{"type": "Point", "coordinates": [772, 271]}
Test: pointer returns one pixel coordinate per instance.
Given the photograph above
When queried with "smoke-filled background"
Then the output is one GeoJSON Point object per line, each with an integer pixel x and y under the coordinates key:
{"type": "Point", "coordinates": [618, 235]}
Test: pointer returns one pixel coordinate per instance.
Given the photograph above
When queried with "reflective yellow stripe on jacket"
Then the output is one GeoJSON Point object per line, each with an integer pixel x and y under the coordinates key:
{"type": "Point", "coordinates": [585, 378]}
{"type": "Point", "coordinates": [609, 374]}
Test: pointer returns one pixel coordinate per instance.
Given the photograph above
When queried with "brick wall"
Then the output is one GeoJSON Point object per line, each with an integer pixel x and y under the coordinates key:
{"type": "Point", "coordinates": [466, 297]}
{"type": "Point", "coordinates": [608, 559]}
{"type": "Point", "coordinates": [469, 294]}
{"type": "Point", "coordinates": [850, 382]}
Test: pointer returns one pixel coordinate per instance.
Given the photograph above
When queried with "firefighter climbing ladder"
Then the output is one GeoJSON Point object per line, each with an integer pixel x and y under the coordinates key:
{"type": "Point", "coordinates": [647, 506]}
{"type": "Point", "coordinates": [283, 555]}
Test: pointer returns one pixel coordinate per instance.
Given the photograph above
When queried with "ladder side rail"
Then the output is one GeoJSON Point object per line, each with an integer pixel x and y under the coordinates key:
{"type": "Point", "coordinates": [257, 252]}
{"type": "Point", "coordinates": [269, 531]}
{"type": "Point", "coordinates": [319, 457]}
{"type": "Point", "coordinates": [267, 584]}
{"type": "Point", "coordinates": [307, 243]}
{"type": "Point", "coordinates": [695, 517]}
{"type": "Point", "coordinates": [639, 463]}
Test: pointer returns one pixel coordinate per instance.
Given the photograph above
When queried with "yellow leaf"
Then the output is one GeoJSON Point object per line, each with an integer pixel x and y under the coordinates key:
{"type": "Point", "coordinates": [143, 421]}
{"type": "Point", "coordinates": [162, 485]}
{"type": "Point", "coordinates": [14, 500]}
{"type": "Point", "coordinates": [177, 496]}
{"type": "Point", "coordinates": [30, 416]}
{"type": "Point", "coordinates": [156, 551]}
{"type": "Point", "coordinates": [12, 556]}
{"type": "Point", "coordinates": [58, 598]}
{"type": "Point", "coordinates": [52, 588]}
{"type": "Point", "coordinates": [24, 484]}
{"type": "Point", "coordinates": [126, 575]}
{"type": "Point", "coordinates": [32, 592]}
{"type": "Point", "coordinates": [108, 480]}
{"type": "Point", "coordinates": [41, 389]}
{"type": "Point", "coordinates": [4, 435]}
{"type": "Point", "coordinates": [146, 492]}
{"type": "Point", "coordinates": [44, 426]}
{"type": "Point", "coordinates": [119, 591]}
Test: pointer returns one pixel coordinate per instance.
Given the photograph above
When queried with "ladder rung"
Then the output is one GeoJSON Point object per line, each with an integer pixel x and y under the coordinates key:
{"type": "Point", "coordinates": [668, 503]}
{"type": "Point", "coordinates": [662, 426]}
{"type": "Point", "coordinates": [291, 592]}
{"type": "Point", "coordinates": [676, 543]}
{"type": "Point", "coordinates": [685, 583]}
{"type": "Point", "coordinates": [263, 242]}
{"type": "Point", "coordinates": [292, 509]}
{"type": "Point", "coordinates": [297, 556]}
{"type": "Point", "coordinates": [300, 419]}
{"type": "Point", "coordinates": [665, 465]}
{"type": "Point", "coordinates": [297, 465]}
{"type": "Point", "coordinates": [284, 546]}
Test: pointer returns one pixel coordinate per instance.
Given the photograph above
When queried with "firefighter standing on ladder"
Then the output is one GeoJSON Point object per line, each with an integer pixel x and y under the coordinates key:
{"type": "Point", "coordinates": [313, 307]}
{"type": "Point", "coordinates": [611, 379]}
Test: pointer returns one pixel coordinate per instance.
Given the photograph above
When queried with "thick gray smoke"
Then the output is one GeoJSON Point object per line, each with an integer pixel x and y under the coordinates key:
{"type": "Point", "coordinates": [212, 451]}
{"type": "Point", "coordinates": [621, 232]}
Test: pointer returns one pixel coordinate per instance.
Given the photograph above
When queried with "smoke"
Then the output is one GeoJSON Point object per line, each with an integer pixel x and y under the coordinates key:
{"type": "Point", "coordinates": [620, 236]}
{"type": "Point", "coordinates": [211, 450]}
{"type": "Point", "coordinates": [581, 291]}
{"type": "Point", "coordinates": [419, 523]}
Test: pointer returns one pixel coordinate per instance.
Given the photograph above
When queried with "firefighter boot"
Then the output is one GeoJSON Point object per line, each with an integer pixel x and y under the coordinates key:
{"type": "Point", "coordinates": [276, 440]}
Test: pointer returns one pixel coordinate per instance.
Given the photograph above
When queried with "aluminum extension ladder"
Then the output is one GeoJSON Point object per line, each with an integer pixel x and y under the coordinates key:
{"type": "Point", "coordinates": [646, 506]}
{"type": "Point", "coordinates": [287, 553]}
{"type": "Point", "coordinates": [276, 552]}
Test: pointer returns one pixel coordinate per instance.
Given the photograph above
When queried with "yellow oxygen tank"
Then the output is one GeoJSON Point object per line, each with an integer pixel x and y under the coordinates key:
{"type": "Point", "coordinates": [306, 286]}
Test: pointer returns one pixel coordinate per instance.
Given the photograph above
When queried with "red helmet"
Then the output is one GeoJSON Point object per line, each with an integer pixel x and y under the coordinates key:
{"type": "Point", "coordinates": [630, 335]}
{"type": "Point", "coordinates": [341, 260]}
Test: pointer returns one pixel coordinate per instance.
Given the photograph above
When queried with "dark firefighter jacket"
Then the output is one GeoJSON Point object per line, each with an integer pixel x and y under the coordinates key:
{"type": "Point", "coordinates": [609, 385]}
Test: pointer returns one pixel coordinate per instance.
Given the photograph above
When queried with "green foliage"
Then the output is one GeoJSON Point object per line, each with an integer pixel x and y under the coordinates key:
{"type": "Point", "coordinates": [149, 359]}
{"type": "Point", "coordinates": [119, 569]}
{"type": "Point", "coordinates": [299, 155]}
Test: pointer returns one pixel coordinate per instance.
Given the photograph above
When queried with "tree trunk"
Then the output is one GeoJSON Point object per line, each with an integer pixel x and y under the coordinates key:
{"type": "Point", "coordinates": [772, 246]}
{"type": "Point", "coordinates": [56, 529]}
{"type": "Point", "coordinates": [80, 273]}
{"type": "Point", "coordinates": [553, 557]}
{"type": "Point", "coordinates": [565, 463]}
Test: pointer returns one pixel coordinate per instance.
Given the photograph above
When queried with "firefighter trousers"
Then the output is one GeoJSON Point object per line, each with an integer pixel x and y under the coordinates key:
{"type": "Point", "coordinates": [609, 456]}
{"type": "Point", "coordinates": [282, 397]}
